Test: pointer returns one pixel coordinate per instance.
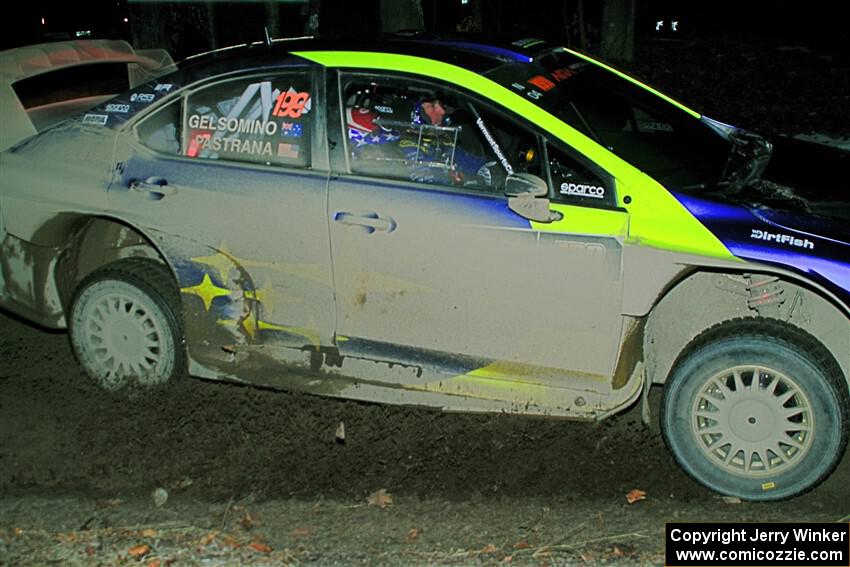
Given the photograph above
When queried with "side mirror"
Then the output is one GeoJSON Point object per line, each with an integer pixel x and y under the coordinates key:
{"type": "Point", "coordinates": [527, 197]}
{"type": "Point", "coordinates": [525, 184]}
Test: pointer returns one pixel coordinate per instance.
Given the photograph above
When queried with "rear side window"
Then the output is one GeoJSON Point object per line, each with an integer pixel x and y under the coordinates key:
{"type": "Point", "coordinates": [260, 119]}
{"type": "Point", "coordinates": [263, 120]}
{"type": "Point", "coordinates": [162, 130]}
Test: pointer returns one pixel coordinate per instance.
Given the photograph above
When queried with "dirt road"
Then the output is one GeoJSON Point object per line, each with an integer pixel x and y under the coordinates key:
{"type": "Point", "coordinates": [258, 477]}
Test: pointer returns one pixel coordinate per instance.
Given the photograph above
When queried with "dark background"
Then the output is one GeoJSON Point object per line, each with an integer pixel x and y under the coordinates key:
{"type": "Point", "coordinates": [773, 66]}
{"type": "Point", "coordinates": [818, 25]}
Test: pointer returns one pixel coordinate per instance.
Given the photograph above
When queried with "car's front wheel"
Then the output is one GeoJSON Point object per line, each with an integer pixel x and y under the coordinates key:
{"type": "Point", "coordinates": [124, 325]}
{"type": "Point", "coordinates": [756, 409]}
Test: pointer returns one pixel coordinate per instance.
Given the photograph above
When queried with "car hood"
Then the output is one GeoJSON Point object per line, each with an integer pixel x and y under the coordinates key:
{"type": "Point", "coordinates": [811, 245]}
{"type": "Point", "coordinates": [810, 178]}
{"type": "Point", "coordinates": [804, 224]}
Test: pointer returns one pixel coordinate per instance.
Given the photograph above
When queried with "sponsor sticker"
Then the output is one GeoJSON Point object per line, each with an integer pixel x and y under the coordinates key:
{"type": "Point", "coordinates": [562, 74]}
{"type": "Point", "coordinates": [292, 104]}
{"type": "Point", "coordinates": [785, 239]}
{"type": "Point", "coordinates": [542, 83]}
{"type": "Point", "coordinates": [527, 42]}
{"type": "Point", "coordinates": [233, 125]}
{"type": "Point", "coordinates": [383, 108]}
{"type": "Point", "coordinates": [230, 145]}
{"type": "Point", "coordinates": [290, 151]}
{"type": "Point", "coordinates": [99, 119]}
{"type": "Point", "coordinates": [654, 126]}
{"type": "Point", "coordinates": [163, 87]}
{"type": "Point", "coordinates": [122, 108]}
{"type": "Point", "coordinates": [581, 190]}
{"type": "Point", "coordinates": [495, 146]}
{"type": "Point", "coordinates": [291, 129]}
{"type": "Point", "coordinates": [142, 97]}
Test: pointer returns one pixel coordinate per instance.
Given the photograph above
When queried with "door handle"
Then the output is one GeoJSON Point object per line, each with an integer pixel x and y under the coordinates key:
{"type": "Point", "coordinates": [370, 221]}
{"type": "Point", "coordinates": [154, 188]}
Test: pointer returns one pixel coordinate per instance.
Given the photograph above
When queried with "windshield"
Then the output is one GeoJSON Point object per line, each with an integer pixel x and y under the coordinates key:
{"type": "Point", "coordinates": [659, 138]}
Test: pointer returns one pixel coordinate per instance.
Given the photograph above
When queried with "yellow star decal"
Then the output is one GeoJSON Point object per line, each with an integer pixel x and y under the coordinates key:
{"type": "Point", "coordinates": [207, 291]}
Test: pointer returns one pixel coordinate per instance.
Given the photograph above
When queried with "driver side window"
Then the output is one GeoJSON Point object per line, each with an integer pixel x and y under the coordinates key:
{"type": "Point", "coordinates": [416, 131]}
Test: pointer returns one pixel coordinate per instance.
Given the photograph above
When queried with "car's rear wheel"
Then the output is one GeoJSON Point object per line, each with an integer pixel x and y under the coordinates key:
{"type": "Point", "coordinates": [124, 325]}
{"type": "Point", "coordinates": [756, 409]}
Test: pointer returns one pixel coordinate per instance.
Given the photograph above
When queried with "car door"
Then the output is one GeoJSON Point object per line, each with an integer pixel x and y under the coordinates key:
{"type": "Point", "coordinates": [229, 179]}
{"type": "Point", "coordinates": [428, 266]}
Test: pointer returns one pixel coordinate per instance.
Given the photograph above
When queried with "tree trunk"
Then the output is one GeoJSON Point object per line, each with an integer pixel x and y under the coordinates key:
{"type": "Point", "coordinates": [181, 29]}
{"type": "Point", "coordinates": [618, 30]}
{"type": "Point", "coordinates": [582, 31]}
{"type": "Point", "coordinates": [212, 36]}
{"type": "Point", "coordinates": [311, 23]}
{"type": "Point", "coordinates": [473, 18]}
{"type": "Point", "coordinates": [400, 15]}
{"type": "Point", "coordinates": [147, 29]}
{"type": "Point", "coordinates": [273, 19]}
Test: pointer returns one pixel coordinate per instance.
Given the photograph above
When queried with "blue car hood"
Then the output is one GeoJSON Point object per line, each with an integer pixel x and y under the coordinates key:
{"type": "Point", "coordinates": [813, 246]}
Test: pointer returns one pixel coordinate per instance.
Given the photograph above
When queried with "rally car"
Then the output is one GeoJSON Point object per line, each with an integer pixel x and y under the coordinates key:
{"type": "Point", "coordinates": [469, 226]}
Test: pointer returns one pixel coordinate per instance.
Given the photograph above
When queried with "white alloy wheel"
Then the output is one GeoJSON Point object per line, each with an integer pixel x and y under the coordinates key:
{"type": "Point", "coordinates": [757, 409]}
{"type": "Point", "coordinates": [752, 420]}
{"type": "Point", "coordinates": [122, 329]}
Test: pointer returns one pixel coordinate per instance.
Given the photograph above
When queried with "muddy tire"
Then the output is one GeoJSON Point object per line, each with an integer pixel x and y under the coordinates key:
{"type": "Point", "coordinates": [125, 327]}
{"type": "Point", "coordinates": [756, 409]}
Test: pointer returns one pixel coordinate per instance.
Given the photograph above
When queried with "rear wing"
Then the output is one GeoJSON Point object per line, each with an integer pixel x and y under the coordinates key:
{"type": "Point", "coordinates": [26, 62]}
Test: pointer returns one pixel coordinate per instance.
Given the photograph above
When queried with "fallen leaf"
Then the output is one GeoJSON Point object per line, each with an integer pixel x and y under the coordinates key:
{"type": "Point", "coordinates": [300, 532]}
{"type": "Point", "coordinates": [17, 532]}
{"type": "Point", "coordinates": [208, 539]}
{"type": "Point", "coordinates": [522, 544]}
{"type": "Point", "coordinates": [413, 534]}
{"type": "Point", "coordinates": [620, 551]}
{"type": "Point", "coordinates": [247, 521]}
{"type": "Point", "coordinates": [381, 498]}
{"type": "Point", "coordinates": [181, 484]}
{"type": "Point", "coordinates": [260, 547]}
{"type": "Point", "coordinates": [508, 559]}
{"type": "Point", "coordinates": [139, 551]}
{"type": "Point", "coordinates": [148, 532]}
{"type": "Point", "coordinates": [616, 551]}
{"type": "Point", "coordinates": [155, 562]}
{"type": "Point", "coordinates": [635, 495]}
{"type": "Point", "coordinates": [231, 541]}
{"type": "Point", "coordinates": [730, 499]}
{"type": "Point", "coordinates": [489, 548]}
{"type": "Point", "coordinates": [340, 432]}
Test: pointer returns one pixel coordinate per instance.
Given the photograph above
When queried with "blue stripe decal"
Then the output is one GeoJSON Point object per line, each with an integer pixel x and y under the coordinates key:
{"type": "Point", "coordinates": [490, 50]}
{"type": "Point", "coordinates": [751, 236]}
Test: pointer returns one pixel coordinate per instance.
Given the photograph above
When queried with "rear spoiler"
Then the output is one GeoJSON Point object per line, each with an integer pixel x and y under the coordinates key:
{"type": "Point", "coordinates": [24, 62]}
